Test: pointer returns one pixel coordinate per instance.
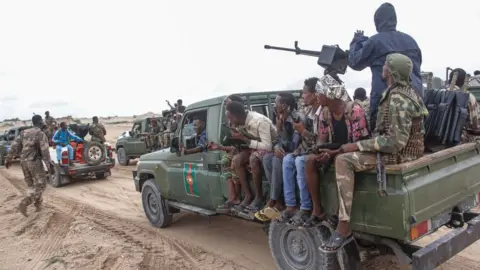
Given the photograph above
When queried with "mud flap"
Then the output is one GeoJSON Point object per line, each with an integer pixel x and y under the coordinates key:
{"type": "Point", "coordinates": [447, 246]}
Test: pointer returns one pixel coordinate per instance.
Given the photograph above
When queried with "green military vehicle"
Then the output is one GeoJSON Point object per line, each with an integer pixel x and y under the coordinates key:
{"type": "Point", "coordinates": [422, 196]}
{"type": "Point", "coordinates": [131, 144]}
{"type": "Point", "coordinates": [6, 140]}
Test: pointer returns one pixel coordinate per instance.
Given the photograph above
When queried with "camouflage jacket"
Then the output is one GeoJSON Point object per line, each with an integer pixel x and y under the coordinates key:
{"type": "Point", "coordinates": [310, 135]}
{"type": "Point", "coordinates": [98, 132]}
{"type": "Point", "coordinates": [30, 145]}
{"type": "Point", "coordinates": [399, 125]}
{"type": "Point", "coordinates": [50, 122]}
{"type": "Point", "coordinates": [155, 129]}
{"type": "Point", "coordinates": [356, 124]}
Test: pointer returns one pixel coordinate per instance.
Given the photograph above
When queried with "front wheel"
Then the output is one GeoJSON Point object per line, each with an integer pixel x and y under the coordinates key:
{"type": "Point", "coordinates": [122, 157]}
{"type": "Point", "coordinates": [154, 205]}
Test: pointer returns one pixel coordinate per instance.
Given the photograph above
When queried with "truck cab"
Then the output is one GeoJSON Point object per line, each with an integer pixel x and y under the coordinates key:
{"type": "Point", "coordinates": [7, 139]}
{"type": "Point", "coordinates": [131, 144]}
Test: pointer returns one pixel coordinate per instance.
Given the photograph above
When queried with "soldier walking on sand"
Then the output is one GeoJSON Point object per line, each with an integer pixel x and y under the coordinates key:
{"type": "Point", "coordinates": [32, 147]}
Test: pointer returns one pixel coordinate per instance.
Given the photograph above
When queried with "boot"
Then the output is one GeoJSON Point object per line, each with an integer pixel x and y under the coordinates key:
{"type": "Point", "coordinates": [38, 206]}
{"type": "Point", "coordinates": [22, 207]}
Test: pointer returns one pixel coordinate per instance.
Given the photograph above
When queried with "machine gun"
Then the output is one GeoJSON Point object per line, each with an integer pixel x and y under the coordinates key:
{"type": "Point", "coordinates": [333, 59]}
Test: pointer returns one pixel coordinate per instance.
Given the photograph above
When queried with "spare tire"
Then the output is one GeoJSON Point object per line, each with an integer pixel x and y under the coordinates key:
{"type": "Point", "coordinates": [93, 153]}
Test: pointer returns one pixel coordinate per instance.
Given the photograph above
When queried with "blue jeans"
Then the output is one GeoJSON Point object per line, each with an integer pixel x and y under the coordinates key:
{"type": "Point", "coordinates": [58, 148]}
{"type": "Point", "coordinates": [290, 166]}
{"type": "Point", "coordinates": [273, 171]}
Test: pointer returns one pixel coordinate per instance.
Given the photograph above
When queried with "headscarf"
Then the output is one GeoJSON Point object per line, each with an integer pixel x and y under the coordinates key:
{"type": "Point", "coordinates": [400, 67]}
{"type": "Point", "coordinates": [330, 87]}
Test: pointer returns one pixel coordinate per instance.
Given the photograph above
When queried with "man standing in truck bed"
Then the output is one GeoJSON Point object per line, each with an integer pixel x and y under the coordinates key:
{"type": "Point", "coordinates": [97, 131]}
{"type": "Point", "coordinates": [371, 52]}
{"type": "Point", "coordinates": [399, 136]}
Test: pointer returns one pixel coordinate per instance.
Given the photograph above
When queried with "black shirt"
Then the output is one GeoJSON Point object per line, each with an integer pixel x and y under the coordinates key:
{"type": "Point", "coordinates": [340, 131]}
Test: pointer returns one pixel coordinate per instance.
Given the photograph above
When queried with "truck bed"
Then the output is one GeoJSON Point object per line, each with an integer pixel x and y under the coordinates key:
{"type": "Point", "coordinates": [427, 189]}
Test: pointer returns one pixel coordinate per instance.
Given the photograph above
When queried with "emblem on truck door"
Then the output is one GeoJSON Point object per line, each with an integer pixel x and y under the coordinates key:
{"type": "Point", "coordinates": [190, 179]}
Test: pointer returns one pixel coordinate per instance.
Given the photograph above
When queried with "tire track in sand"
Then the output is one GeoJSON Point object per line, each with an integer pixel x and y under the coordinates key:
{"type": "Point", "coordinates": [160, 250]}
{"type": "Point", "coordinates": [56, 229]}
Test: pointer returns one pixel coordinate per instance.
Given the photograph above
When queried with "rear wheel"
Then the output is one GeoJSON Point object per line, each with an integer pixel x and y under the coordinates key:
{"type": "Point", "coordinates": [155, 206]}
{"type": "Point", "coordinates": [122, 157]}
{"type": "Point", "coordinates": [56, 178]}
{"type": "Point", "coordinates": [298, 248]}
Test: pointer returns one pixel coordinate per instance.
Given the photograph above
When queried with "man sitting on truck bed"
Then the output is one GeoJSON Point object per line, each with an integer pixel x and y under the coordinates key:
{"type": "Point", "coordinates": [473, 108]}
{"type": "Point", "coordinates": [399, 136]}
{"type": "Point", "coordinates": [264, 133]}
{"type": "Point", "coordinates": [62, 139]}
{"type": "Point", "coordinates": [343, 121]}
{"type": "Point", "coordinates": [286, 142]}
{"type": "Point", "coordinates": [233, 183]}
{"type": "Point", "coordinates": [295, 162]}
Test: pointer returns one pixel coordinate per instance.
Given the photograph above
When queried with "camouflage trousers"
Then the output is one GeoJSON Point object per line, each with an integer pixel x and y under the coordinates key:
{"type": "Point", "coordinates": [151, 141]}
{"type": "Point", "coordinates": [345, 167]}
{"type": "Point", "coordinates": [227, 165]}
{"type": "Point", "coordinates": [35, 178]}
{"type": "Point", "coordinates": [167, 138]}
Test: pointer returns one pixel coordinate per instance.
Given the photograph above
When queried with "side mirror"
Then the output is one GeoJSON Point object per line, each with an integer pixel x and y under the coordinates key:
{"type": "Point", "coordinates": [130, 133]}
{"type": "Point", "coordinates": [11, 137]}
{"type": "Point", "coordinates": [174, 145]}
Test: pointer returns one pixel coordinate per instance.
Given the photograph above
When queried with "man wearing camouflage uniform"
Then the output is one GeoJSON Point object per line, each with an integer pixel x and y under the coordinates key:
{"type": "Point", "coordinates": [32, 147]}
{"type": "Point", "coordinates": [171, 127]}
{"type": "Point", "coordinates": [399, 136]}
{"type": "Point", "coordinates": [51, 125]}
{"type": "Point", "coordinates": [97, 131]}
{"type": "Point", "coordinates": [154, 131]}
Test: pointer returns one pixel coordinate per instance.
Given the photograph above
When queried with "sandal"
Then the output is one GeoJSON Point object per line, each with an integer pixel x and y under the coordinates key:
{"type": "Point", "coordinates": [300, 217]}
{"type": "Point", "coordinates": [226, 208]}
{"type": "Point", "coordinates": [255, 206]}
{"type": "Point", "coordinates": [285, 216]}
{"type": "Point", "coordinates": [271, 212]}
{"type": "Point", "coordinates": [261, 216]}
{"type": "Point", "coordinates": [336, 242]}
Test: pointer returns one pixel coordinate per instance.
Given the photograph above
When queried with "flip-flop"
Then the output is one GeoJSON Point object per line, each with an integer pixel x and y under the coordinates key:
{"type": "Point", "coordinates": [226, 208]}
{"type": "Point", "coordinates": [261, 217]}
{"type": "Point", "coordinates": [299, 217]}
{"type": "Point", "coordinates": [271, 212]}
{"type": "Point", "coordinates": [336, 242]}
{"type": "Point", "coordinates": [285, 216]}
{"type": "Point", "coordinates": [255, 206]}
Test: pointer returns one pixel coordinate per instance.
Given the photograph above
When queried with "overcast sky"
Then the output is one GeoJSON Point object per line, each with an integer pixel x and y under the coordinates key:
{"type": "Point", "coordinates": [86, 58]}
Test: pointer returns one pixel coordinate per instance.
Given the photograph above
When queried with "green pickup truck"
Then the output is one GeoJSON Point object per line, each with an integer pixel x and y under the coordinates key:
{"type": "Point", "coordinates": [437, 190]}
{"type": "Point", "coordinates": [131, 144]}
{"type": "Point", "coordinates": [6, 140]}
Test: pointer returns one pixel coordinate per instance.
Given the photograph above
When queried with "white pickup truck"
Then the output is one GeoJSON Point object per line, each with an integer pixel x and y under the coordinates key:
{"type": "Point", "coordinates": [91, 160]}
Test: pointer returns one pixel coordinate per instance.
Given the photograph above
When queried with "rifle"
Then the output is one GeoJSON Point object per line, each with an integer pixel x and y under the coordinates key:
{"type": "Point", "coordinates": [333, 59]}
{"type": "Point", "coordinates": [381, 176]}
{"type": "Point", "coordinates": [243, 132]}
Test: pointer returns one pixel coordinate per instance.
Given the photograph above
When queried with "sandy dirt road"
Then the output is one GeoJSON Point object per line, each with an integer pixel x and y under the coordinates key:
{"type": "Point", "coordinates": [100, 224]}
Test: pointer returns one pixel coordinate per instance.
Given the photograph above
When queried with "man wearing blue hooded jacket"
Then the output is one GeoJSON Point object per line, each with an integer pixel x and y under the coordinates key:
{"type": "Point", "coordinates": [371, 52]}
